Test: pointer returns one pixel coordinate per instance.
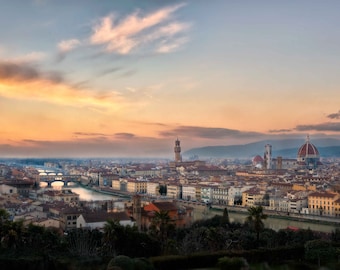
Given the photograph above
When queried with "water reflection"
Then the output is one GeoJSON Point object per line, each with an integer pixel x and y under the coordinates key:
{"type": "Point", "coordinates": [84, 194]}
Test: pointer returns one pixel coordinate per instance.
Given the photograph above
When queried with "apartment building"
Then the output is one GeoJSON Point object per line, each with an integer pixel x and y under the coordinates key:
{"type": "Point", "coordinates": [189, 192]}
{"type": "Point", "coordinates": [220, 195]}
{"type": "Point", "coordinates": [174, 191]}
{"type": "Point", "coordinates": [235, 194]}
{"type": "Point", "coordinates": [152, 188]}
{"type": "Point", "coordinates": [322, 203]}
{"type": "Point", "coordinates": [252, 197]}
{"type": "Point", "coordinates": [206, 193]}
{"type": "Point", "coordinates": [296, 205]}
{"type": "Point", "coordinates": [137, 186]}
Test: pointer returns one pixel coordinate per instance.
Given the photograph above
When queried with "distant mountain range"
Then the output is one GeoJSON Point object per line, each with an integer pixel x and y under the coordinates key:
{"type": "Point", "coordinates": [287, 148]}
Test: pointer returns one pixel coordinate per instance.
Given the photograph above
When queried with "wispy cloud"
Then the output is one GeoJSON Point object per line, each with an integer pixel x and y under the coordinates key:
{"type": "Point", "coordinates": [30, 57]}
{"type": "Point", "coordinates": [89, 134]}
{"type": "Point", "coordinates": [279, 130]}
{"type": "Point", "coordinates": [170, 46]}
{"type": "Point", "coordinates": [65, 46]}
{"type": "Point", "coordinates": [68, 45]}
{"type": "Point", "coordinates": [124, 136]}
{"type": "Point", "coordinates": [136, 30]}
{"type": "Point", "coordinates": [334, 115]}
{"type": "Point", "coordinates": [97, 146]}
{"type": "Point", "coordinates": [109, 71]}
{"type": "Point", "coordinates": [23, 81]}
{"type": "Point", "coordinates": [23, 72]}
{"type": "Point", "coordinates": [208, 133]}
{"type": "Point", "coordinates": [335, 127]}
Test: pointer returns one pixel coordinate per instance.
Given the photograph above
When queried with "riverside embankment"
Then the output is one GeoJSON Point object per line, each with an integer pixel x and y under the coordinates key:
{"type": "Point", "coordinates": [276, 220]}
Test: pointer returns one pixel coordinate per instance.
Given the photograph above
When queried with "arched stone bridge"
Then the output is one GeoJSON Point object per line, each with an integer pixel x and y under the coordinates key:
{"type": "Point", "coordinates": [51, 178]}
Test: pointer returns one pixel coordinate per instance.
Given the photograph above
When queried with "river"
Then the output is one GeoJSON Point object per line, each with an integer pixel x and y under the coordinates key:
{"type": "Point", "coordinates": [203, 213]}
{"type": "Point", "coordinates": [84, 193]}
{"type": "Point", "coordinates": [275, 223]}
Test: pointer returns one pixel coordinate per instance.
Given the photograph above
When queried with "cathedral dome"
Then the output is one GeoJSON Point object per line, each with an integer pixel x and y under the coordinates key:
{"type": "Point", "coordinates": [257, 162]}
{"type": "Point", "coordinates": [308, 150]}
{"type": "Point", "coordinates": [308, 155]}
{"type": "Point", "coordinates": [257, 159]}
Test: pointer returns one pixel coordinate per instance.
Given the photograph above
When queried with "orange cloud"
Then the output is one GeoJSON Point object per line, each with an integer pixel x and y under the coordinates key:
{"type": "Point", "coordinates": [136, 30]}
{"type": "Point", "coordinates": [26, 82]}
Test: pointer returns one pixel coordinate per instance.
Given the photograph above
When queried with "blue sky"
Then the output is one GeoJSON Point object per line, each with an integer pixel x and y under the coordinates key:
{"type": "Point", "coordinates": [122, 78]}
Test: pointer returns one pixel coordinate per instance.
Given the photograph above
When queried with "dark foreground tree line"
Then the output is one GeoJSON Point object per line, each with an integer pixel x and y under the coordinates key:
{"type": "Point", "coordinates": [210, 242]}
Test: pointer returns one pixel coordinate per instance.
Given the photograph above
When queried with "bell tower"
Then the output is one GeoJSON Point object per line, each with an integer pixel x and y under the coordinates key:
{"type": "Point", "coordinates": [177, 149]}
{"type": "Point", "coordinates": [137, 211]}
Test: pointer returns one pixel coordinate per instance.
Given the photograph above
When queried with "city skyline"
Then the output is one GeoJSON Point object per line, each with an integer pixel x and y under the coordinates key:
{"type": "Point", "coordinates": [127, 78]}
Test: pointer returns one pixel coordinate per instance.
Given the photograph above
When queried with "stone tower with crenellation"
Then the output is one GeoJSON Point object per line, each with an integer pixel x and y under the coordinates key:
{"type": "Point", "coordinates": [177, 149]}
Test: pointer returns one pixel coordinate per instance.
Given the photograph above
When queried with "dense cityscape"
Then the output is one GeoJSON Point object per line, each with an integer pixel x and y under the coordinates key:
{"type": "Point", "coordinates": [162, 135]}
{"type": "Point", "coordinates": [40, 192]}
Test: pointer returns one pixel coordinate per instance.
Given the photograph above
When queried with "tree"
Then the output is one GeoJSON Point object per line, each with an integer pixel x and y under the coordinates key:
{"type": "Point", "coordinates": [255, 218]}
{"type": "Point", "coordinates": [83, 243]}
{"type": "Point", "coordinates": [320, 250]}
{"type": "Point", "coordinates": [111, 230]}
{"type": "Point", "coordinates": [4, 216]}
{"type": "Point", "coordinates": [161, 226]}
{"type": "Point", "coordinates": [162, 189]}
{"type": "Point", "coordinates": [225, 218]}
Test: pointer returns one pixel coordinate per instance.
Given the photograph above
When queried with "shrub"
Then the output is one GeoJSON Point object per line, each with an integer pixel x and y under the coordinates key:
{"type": "Point", "coordinates": [235, 263]}
{"type": "Point", "coordinates": [142, 264]}
{"type": "Point", "coordinates": [121, 262]}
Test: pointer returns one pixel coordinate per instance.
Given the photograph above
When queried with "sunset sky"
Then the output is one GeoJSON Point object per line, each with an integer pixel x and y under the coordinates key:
{"type": "Point", "coordinates": [89, 78]}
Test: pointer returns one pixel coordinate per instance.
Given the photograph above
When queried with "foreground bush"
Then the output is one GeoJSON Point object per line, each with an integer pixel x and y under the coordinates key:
{"type": "Point", "coordinates": [235, 263]}
{"type": "Point", "coordinates": [122, 262]}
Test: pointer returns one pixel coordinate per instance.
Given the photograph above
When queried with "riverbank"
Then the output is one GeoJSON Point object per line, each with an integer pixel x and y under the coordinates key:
{"type": "Point", "coordinates": [276, 220]}
{"type": "Point", "coordinates": [309, 219]}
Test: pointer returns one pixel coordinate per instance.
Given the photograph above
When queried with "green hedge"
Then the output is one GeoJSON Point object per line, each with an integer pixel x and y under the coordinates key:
{"type": "Point", "coordinates": [201, 260]}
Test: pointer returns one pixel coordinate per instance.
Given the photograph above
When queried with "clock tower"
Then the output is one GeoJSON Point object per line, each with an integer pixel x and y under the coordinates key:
{"type": "Point", "coordinates": [177, 149]}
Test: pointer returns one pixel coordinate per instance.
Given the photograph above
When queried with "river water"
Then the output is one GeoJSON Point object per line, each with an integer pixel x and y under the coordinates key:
{"type": "Point", "coordinates": [84, 193]}
{"type": "Point", "coordinates": [271, 222]}
{"type": "Point", "coordinates": [204, 213]}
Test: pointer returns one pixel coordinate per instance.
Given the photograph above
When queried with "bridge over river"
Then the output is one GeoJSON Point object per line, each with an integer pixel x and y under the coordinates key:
{"type": "Point", "coordinates": [50, 178]}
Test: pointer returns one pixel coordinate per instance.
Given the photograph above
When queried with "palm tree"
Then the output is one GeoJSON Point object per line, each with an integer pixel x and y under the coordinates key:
{"type": "Point", "coordinates": [161, 226]}
{"type": "Point", "coordinates": [111, 229]}
{"type": "Point", "coordinates": [255, 218]}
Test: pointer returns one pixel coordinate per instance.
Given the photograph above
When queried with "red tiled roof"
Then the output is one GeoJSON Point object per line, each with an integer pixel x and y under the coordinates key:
{"type": "Point", "coordinates": [308, 149]}
{"type": "Point", "coordinates": [323, 194]}
{"type": "Point", "coordinates": [165, 206]}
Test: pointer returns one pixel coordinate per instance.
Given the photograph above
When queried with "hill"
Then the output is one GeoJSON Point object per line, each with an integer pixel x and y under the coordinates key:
{"type": "Point", "coordinates": [287, 148]}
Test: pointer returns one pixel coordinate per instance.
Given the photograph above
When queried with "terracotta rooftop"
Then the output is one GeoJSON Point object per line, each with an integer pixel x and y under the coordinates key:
{"type": "Point", "coordinates": [165, 206]}
{"type": "Point", "coordinates": [323, 194]}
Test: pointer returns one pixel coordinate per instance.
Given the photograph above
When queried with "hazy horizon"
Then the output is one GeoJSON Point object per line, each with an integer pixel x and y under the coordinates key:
{"type": "Point", "coordinates": [121, 78]}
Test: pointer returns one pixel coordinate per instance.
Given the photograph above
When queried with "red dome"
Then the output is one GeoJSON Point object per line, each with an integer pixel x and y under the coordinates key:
{"type": "Point", "coordinates": [308, 150]}
{"type": "Point", "coordinates": [257, 159]}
